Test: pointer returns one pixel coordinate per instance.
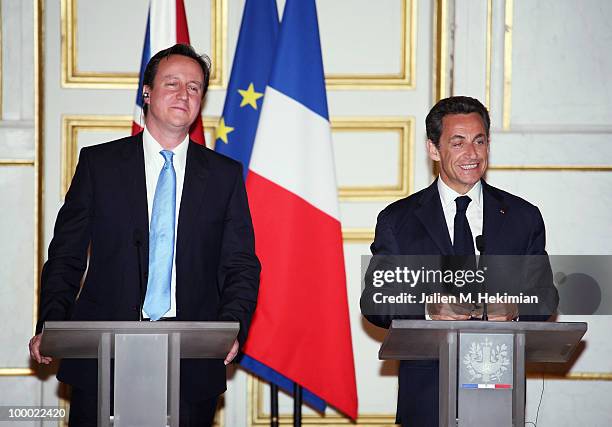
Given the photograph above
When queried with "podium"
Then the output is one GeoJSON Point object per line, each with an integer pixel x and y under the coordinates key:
{"type": "Point", "coordinates": [482, 364]}
{"type": "Point", "coordinates": [147, 362]}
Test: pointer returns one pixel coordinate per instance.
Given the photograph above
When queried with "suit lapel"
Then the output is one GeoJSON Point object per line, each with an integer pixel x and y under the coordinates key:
{"type": "Point", "coordinates": [132, 171]}
{"type": "Point", "coordinates": [133, 178]}
{"type": "Point", "coordinates": [196, 174]}
{"type": "Point", "coordinates": [432, 217]}
{"type": "Point", "coordinates": [494, 214]}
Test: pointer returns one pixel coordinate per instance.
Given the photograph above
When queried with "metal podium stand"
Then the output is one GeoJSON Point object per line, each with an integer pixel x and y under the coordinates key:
{"type": "Point", "coordinates": [147, 362]}
{"type": "Point", "coordinates": [482, 364]}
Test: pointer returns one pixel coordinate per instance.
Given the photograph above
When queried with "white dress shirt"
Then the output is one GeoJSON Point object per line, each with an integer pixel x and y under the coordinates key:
{"type": "Point", "coordinates": [153, 165]}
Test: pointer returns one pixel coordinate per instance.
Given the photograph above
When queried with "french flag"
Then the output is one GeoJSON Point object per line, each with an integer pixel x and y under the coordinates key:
{"type": "Point", "coordinates": [166, 26]}
{"type": "Point", "coordinates": [301, 326]}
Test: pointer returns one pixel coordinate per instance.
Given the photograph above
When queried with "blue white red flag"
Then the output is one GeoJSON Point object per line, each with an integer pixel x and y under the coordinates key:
{"type": "Point", "coordinates": [301, 326]}
{"type": "Point", "coordinates": [238, 124]}
{"type": "Point", "coordinates": [166, 26]}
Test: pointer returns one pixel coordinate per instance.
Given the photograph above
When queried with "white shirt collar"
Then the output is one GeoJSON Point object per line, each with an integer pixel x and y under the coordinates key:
{"type": "Point", "coordinates": [152, 148]}
{"type": "Point", "coordinates": [448, 195]}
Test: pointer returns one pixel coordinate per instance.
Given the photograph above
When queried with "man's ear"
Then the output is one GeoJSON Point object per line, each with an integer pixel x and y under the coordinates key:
{"type": "Point", "coordinates": [432, 150]}
{"type": "Point", "coordinates": [146, 94]}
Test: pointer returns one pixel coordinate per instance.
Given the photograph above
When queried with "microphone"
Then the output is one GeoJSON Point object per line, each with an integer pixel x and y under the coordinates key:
{"type": "Point", "coordinates": [138, 241]}
{"type": "Point", "coordinates": [480, 245]}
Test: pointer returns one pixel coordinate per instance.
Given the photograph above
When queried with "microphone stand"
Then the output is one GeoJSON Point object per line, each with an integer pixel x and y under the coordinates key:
{"type": "Point", "coordinates": [480, 245]}
{"type": "Point", "coordinates": [138, 244]}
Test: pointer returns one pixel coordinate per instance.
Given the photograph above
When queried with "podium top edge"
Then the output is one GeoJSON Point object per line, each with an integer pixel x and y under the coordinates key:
{"type": "Point", "coordinates": [118, 326]}
{"type": "Point", "coordinates": [489, 326]}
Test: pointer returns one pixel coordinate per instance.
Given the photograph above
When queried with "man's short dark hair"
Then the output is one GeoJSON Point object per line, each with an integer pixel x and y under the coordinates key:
{"type": "Point", "coordinates": [453, 105]}
{"type": "Point", "coordinates": [178, 49]}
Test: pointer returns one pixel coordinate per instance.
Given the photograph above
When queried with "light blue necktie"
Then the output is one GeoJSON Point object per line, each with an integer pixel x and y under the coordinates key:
{"type": "Point", "coordinates": [161, 241]}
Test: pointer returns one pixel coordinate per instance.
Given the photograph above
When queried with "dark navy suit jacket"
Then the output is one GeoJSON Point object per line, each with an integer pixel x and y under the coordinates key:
{"type": "Point", "coordinates": [416, 226]}
{"type": "Point", "coordinates": [105, 215]}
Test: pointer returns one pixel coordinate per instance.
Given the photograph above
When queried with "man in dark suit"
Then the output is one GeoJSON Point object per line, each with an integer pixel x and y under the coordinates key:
{"type": "Point", "coordinates": [445, 219]}
{"type": "Point", "coordinates": [177, 205]}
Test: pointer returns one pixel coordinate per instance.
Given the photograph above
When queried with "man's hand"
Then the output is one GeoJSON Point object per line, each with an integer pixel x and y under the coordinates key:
{"type": "Point", "coordinates": [35, 350]}
{"type": "Point", "coordinates": [502, 312]}
{"type": "Point", "coordinates": [232, 353]}
{"type": "Point", "coordinates": [449, 311]}
{"type": "Point", "coordinates": [498, 312]}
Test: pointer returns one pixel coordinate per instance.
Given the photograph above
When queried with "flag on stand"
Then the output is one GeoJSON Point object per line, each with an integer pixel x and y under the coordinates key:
{"type": "Point", "coordinates": [235, 132]}
{"type": "Point", "coordinates": [166, 26]}
{"type": "Point", "coordinates": [301, 328]}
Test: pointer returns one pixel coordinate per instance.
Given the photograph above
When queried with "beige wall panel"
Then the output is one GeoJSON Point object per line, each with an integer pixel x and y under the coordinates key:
{"type": "Point", "coordinates": [470, 73]}
{"type": "Point", "coordinates": [27, 391]}
{"type": "Point", "coordinates": [560, 73]}
{"type": "Point", "coordinates": [553, 147]}
{"type": "Point", "coordinates": [199, 19]}
{"type": "Point", "coordinates": [361, 39]}
{"type": "Point", "coordinates": [17, 141]}
{"type": "Point", "coordinates": [576, 213]}
{"type": "Point", "coordinates": [496, 36]}
{"type": "Point", "coordinates": [374, 157]}
{"type": "Point", "coordinates": [16, 264]}
{"type": "Point", "coordinates": [84, 131]}
{"type": "Point", "coordinates": [90, 56]}
{"type": "Point", "coordinates": [236, 398]}
{"type": "Point", "coordinates": [1, 65]}
{"type": "Point", "coordinates": [97, 41]}
{"type": "Point", "coordinates": [361, 214]}
{"type": "Point", "coordinates": [111, 39]}
{"type": "Point", "coordinates": [17, 86]}
{"type": "Point", "coordinates": [367, 158]}
{"type": "Point", "coordinates": [89, 138]}
{"type": "Point", "coordinates": [19, 390]}
{"type": "Point", "coordinates": [569, 403]}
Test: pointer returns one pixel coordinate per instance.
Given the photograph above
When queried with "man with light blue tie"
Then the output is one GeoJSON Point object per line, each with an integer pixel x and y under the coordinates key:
{"type": "Point", "coordinates": [196, 262]}
{"type": "Point", "coordinates": [161, 241]}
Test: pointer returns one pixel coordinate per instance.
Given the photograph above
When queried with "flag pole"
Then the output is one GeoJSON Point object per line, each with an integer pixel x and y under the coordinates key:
{"type": "Point", "coordinates": [273, 404]}
{"type": "Point", "coordinates": [297, 405]}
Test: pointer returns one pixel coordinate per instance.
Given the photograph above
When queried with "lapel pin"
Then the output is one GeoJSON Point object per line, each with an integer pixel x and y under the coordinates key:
{"type": "Point", "coordinates": [502, 211]}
